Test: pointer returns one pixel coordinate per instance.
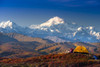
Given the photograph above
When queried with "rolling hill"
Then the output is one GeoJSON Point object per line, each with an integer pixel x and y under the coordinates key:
{"type": "Point", "coordinates": [13, 45]}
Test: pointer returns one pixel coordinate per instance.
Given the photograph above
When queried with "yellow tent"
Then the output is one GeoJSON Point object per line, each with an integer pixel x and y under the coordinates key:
{"type": "Point", "coordinates": [80, 49]}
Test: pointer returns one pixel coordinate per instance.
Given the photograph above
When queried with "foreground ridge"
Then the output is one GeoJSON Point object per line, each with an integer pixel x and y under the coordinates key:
{"type": "Point", "coordinates": [63, 60]}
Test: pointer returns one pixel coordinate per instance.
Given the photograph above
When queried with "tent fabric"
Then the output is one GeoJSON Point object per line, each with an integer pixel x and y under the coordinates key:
{"type": "Point", "coordinates": [80, 49]}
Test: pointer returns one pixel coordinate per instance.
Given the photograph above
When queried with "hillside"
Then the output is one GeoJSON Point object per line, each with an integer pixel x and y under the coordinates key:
{"type": "Point", "coordinates": [53, 60]}
{"type": "Point", "coordinates": [23, 38]}
{"type": "Point", "coordinates": [13, 45]}
{"type": "Point", "coordinates": [4, 38]}
{"type": "Point", "coordinates": [16, 45]}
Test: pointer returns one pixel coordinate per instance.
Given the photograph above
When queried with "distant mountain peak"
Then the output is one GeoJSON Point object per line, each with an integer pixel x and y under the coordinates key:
{"type": "Point", "coordinates": [10, 27]}
{"type": "Point", "coordinates": [5, 24]}
{"type": "Point", "coordinates": [53, 21]}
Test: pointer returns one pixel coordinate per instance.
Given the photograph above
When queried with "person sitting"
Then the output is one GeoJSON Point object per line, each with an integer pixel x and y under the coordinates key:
{"type": "Point", "coordinates": [71, 50]}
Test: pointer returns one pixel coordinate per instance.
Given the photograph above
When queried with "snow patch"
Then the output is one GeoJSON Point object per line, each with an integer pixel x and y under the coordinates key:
{"type": "Point", "coordinates": [57, 30]}
{"type": "Point", "coordinates": [79, 29]}
{"type": "Point", "coordinates": [90, 27]}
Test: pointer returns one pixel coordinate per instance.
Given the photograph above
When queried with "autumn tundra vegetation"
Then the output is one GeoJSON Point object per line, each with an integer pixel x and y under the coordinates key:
{"type": "Point", "coordinates": [52, 60]}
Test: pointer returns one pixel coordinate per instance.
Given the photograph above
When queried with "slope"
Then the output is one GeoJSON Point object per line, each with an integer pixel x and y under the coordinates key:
{"type": "Point", "coordinates": [20, 46]}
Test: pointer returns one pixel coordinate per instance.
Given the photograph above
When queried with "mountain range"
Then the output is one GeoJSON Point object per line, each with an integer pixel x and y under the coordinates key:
{"type": "Point", "coordinates": [55, 29]}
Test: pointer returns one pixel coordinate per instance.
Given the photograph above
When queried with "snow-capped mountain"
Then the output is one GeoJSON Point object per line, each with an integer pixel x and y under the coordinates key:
{"type": "Point", "coordinates": [55, 29]}
{"type": "Point", "coordinates": [65, 31]}
{"type": "Point", "coordinates": [10, 27]}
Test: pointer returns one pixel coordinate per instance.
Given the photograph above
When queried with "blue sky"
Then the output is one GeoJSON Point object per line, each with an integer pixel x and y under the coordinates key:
{"type": "Point", "coordinates": [27, 12]}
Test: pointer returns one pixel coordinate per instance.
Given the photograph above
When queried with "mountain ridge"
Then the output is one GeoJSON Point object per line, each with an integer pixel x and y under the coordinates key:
{"type": "Point", "coordinates": [13, 45]}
